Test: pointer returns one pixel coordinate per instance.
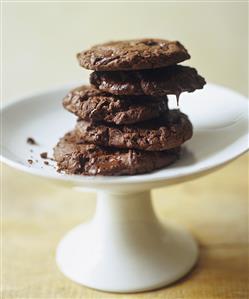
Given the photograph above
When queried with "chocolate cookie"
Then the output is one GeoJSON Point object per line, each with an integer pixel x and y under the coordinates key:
{"type": "Point", "coordinates": [74, 157]}
{"type": "Point", "coordinates": [157, 82]}
{"type": "Point", "coordinates": [133, 55]}
{"type": "Point", "coordinates": [91, 104]}
{"type": "Point", "coordinates": [166, 132]}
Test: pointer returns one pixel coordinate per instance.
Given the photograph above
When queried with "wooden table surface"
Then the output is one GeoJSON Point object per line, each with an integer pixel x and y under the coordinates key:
{"type": "Point", "coordinates": [37, 213]}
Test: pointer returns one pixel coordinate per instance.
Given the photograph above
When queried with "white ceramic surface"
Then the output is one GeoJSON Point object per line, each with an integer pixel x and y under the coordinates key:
{"type": "Point", "coordinates": [219, 116]}
{"type": "Point", "coordinates": [125, 248]}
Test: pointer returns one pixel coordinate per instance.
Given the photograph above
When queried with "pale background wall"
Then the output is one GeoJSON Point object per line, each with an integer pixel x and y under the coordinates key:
{"type": "Point", "coordinates": [40, 40]}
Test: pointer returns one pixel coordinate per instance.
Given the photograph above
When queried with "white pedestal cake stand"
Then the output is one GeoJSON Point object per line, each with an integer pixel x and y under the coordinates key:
{"type": "Point", "coordinates": [125, 248]}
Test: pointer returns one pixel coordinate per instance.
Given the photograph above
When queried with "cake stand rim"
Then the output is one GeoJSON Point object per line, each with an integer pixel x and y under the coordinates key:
{"type": "Point", "coordinates": [120, 180]}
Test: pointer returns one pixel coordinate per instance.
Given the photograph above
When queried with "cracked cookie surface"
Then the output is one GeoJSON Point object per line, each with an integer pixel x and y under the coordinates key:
{"type": "Point", "coordinates": [133, 55]}
{"type": "Point", "coordinates": [75, 157]}
{"type": "Point", "coordinates": [91, 104]}
{"type": "Point", "coordinates": [156, 82]}
{"type": "Point", "coordinates": [166, 132]}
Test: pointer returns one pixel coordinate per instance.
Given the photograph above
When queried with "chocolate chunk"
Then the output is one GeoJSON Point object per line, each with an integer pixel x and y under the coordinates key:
{"type": "Point", "coordinates": [31, 141]}
{"type": "Point", "coordinates": [90, 104]}
{"type": "Point", "coordinates": [44, 155]}
{"type": "Point", "coordinates": [133, 55]}
{"type": "Point", "coordinates": [156, 82]}
{"type": "Point", "coordinates": [30, 161]}
{"type": "Point", "coordinates": [166, 132]}
{"type": "Point", "coordinates": [74, 157]}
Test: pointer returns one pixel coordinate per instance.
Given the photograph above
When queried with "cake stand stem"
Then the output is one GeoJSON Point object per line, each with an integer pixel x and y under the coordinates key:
{"type": "Point", "coordinates": [125, 248]}
{"type": "Point", "coordinates": [120, 208]}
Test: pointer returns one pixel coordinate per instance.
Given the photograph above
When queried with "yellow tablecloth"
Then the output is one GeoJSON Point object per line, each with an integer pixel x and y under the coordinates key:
{"type": "Point", "coordinates": [37, 214]}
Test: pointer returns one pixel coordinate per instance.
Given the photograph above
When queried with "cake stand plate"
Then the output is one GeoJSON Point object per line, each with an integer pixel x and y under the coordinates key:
{"type": "Point", "coordinates": [125, 248]}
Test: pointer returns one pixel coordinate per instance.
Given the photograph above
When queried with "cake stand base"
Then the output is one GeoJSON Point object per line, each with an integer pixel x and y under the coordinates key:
{"type": "Point", "coordinates": [125, 248]}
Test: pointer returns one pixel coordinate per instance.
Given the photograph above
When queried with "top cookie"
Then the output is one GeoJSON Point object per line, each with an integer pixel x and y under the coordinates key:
{"type": "Point", "coordinates": [133, 55]}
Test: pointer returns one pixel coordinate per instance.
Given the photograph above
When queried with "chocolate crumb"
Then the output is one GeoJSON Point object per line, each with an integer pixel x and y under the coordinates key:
{"type": "Point", "coordinates": [44, 155]}
{"type": "Point", "coordinates": [32, 141]}
{"type": "Point", "coordinates": [30, 161]}
{"type": "Point", "coordinates": [46, 162]}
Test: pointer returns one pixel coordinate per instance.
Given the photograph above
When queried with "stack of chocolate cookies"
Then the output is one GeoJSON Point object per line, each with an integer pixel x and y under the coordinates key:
{"type": "Point", "coordinates": [124, 124]}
